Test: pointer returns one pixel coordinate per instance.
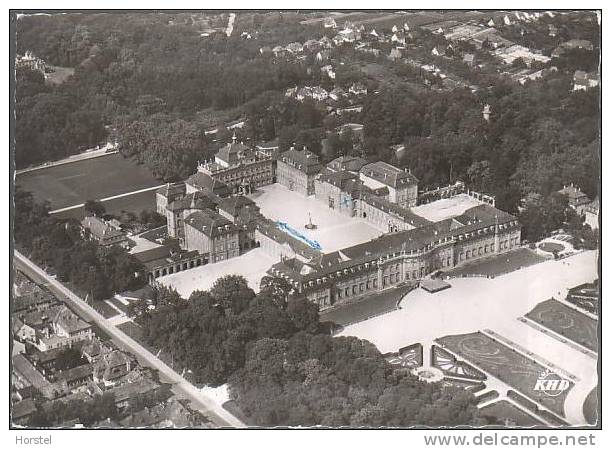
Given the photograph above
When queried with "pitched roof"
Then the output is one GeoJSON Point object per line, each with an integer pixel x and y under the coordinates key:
{"type": "Point", "coordinates": [473, 219]}
{"type": "Point", "coordinates": [76, 373]}
{"type": "Point", "coordinates": [194, 200]}
{"type": "Point", "coordinates": [23, 408]}
{"type": "Point", "coordinates": [69, 320]}
{"type": "Point", "coordinates": [100, 229]}
{"type": "Point", "coordinates": [210, 223]}
{"type": "Point", "coordinates": [388, 174]}
{"type": "Point", "coordinates": [202, 181]}
{"type": "Point", "coordinates": [172, 189]}
{"type": "Point", "coordinates": [232, 152]}
{"type": "Point", "coordinates": [304, 160]}
{"type": "Point", "coordinates": [349, 163]}
{"type": "Point", "coordinates": [234, 204]}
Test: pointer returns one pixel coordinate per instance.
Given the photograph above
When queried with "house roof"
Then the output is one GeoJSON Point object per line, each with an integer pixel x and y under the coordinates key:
{"type": "Point", "coordinates": [100, 229]}
{"type": "Point", "coordinates": [304, 160]}
{"type": "Point", "coordinates": [131, 389]}
{"type": "Point", "coordinates": [234, 204]}
{"type": "Point", "coordinates": [211, 223]}
{"type": "Point", "coordinates": [572, 193]}
{"type": "Point", "coordinates": [348, 163]}
{"type": "Point", "coordinates": [233, 152]}
{"type": "Point", "coordinates": [172, 189]}
{"type": "Point", "coordinates": [203, 181]}
{"type": "Point", "coordinates": [31, 300]}
{"type": "Point", "coordinates": [194, 200]}
{"type": "Point", "coordinates": [473, 219]}
{"type": "Point", "coordinates": [76, 373]}
{"type": "Point", "coordinates": [23, 408]}
{"type": "Point", "coordinates": [70, 321]}
{"type": "Point", "coordinates": [37, 318]}
{"type": "Point", "coordinates": [23, 366]}
{"type": "Point", "coordinates": [388, 174]}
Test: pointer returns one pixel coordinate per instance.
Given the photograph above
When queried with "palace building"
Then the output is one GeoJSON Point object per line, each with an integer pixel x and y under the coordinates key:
{"type": "Point", "coordinates": [401, 257]}
{"type": "Point", "coordinates": [401, 184]}
{"type": "Point", "coordinates": [212, 224]}
{"type": "Point", "coordinates": [241, 168]}
{"type": "Point", "coordinates": [296, 170]}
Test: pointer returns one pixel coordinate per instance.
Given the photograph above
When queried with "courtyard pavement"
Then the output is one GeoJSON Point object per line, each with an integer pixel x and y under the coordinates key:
{"type": "Point", "coordinates": [252, 265]}
{"type": "Point", "coordinates": [446, 207]}
{"type": "Point", "coordinates": [474, 304]}
{"type": "Point", "coordinates": [334, 231]}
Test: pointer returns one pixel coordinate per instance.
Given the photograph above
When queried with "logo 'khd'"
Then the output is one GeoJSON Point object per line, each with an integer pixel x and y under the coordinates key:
{"type": "Point", "coordinates": [551, 383]}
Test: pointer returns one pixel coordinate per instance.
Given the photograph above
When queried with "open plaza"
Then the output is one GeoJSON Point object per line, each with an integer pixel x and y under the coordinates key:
{"type": "Point", "coordinates": [252, 266]}
{"type": "Point", "coordinates": [475, 304]}
{"type": "Point", "coordinates": [333, 230]}
{"type": "Point", "coordinates": [446, 207]}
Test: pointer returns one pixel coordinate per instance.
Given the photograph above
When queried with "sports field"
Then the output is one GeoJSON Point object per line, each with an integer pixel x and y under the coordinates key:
{"type": "Point", "coordinates": [133, 203]}
{"type": "Point", "coordinates": [334, 231]}
{"type": "Point", "coordinates": [69, 184]}
{"type": "Point", "coordinates": [567, 322]}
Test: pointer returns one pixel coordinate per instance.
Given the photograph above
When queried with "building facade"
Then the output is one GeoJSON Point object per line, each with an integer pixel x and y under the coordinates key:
{"type": "Point", "coordinates": [241, 168]}
{"type": "Point", "coordinates": [401, 184]}
{"type": "Point", "coordinates": [401, 257]}
{"type": "Point", "coordinates": [296, 171]}
{"type": "Point", "coordinates": [209, 232]}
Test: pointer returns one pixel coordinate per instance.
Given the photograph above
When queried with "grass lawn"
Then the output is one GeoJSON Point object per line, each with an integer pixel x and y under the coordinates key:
{"type": "Point", "coordinates": [567, 322]}
{"type": "Point", "coordinates": [133, 203]}
{"type": "Point", "coordinates": [371, 305]}
{"type": "Point", "coordinates": [499, 264]}
{"type": "Point", "coordinates": [69, 184]}
{"type": "Point", "coordinates": [511, 367]}
{"type": "Point", "coordinates": [509, 415]}
{"type": "Point", "coordinates": [103, 308]}
{"type": "Point", "coordinates": [132, 330]}
{"type": "Point", "coordinates": [118, 304]}
{"type": "Point", "coordinates": [590, 407]}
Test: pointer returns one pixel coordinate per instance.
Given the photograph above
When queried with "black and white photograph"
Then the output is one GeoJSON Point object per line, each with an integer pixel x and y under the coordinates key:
{"type": "Point", "coordinates": [305, 219]}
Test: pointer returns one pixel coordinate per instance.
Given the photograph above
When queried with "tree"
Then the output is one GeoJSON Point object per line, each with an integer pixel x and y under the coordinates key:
{"type": "Point", "coordinates": [95, 208]}
{"type": "Point", "coordinates": [276, 288]}
{"type": "Point", "coordinates": [303, 314]}
{"type": "Point", "coordinates": [232, 293]}
{"type": "Point", "coordinates": [67, 359]}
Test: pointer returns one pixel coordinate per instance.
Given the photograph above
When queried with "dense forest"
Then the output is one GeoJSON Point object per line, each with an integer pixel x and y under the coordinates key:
{"type": "Point", "coordinates": [58, 246]}
{"type": "Point", "coordinates": [154, 84]}
{"type": "Point", "coordinates": [283, 367]}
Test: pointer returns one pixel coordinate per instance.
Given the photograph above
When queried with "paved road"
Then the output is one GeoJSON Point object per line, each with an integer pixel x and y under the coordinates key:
{"type": "Point", "coordinates": [217, 414]}
{"type": "Point", "coordinates": [89, 154]}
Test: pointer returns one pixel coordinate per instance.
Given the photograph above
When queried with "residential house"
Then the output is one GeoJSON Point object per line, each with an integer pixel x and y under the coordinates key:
{"type": "Point", "coordinates": [584, 81]}
{"type": "Point", "coordinates": [578, 200]}
{"type": "Point", "coordinates": [102, 232]}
